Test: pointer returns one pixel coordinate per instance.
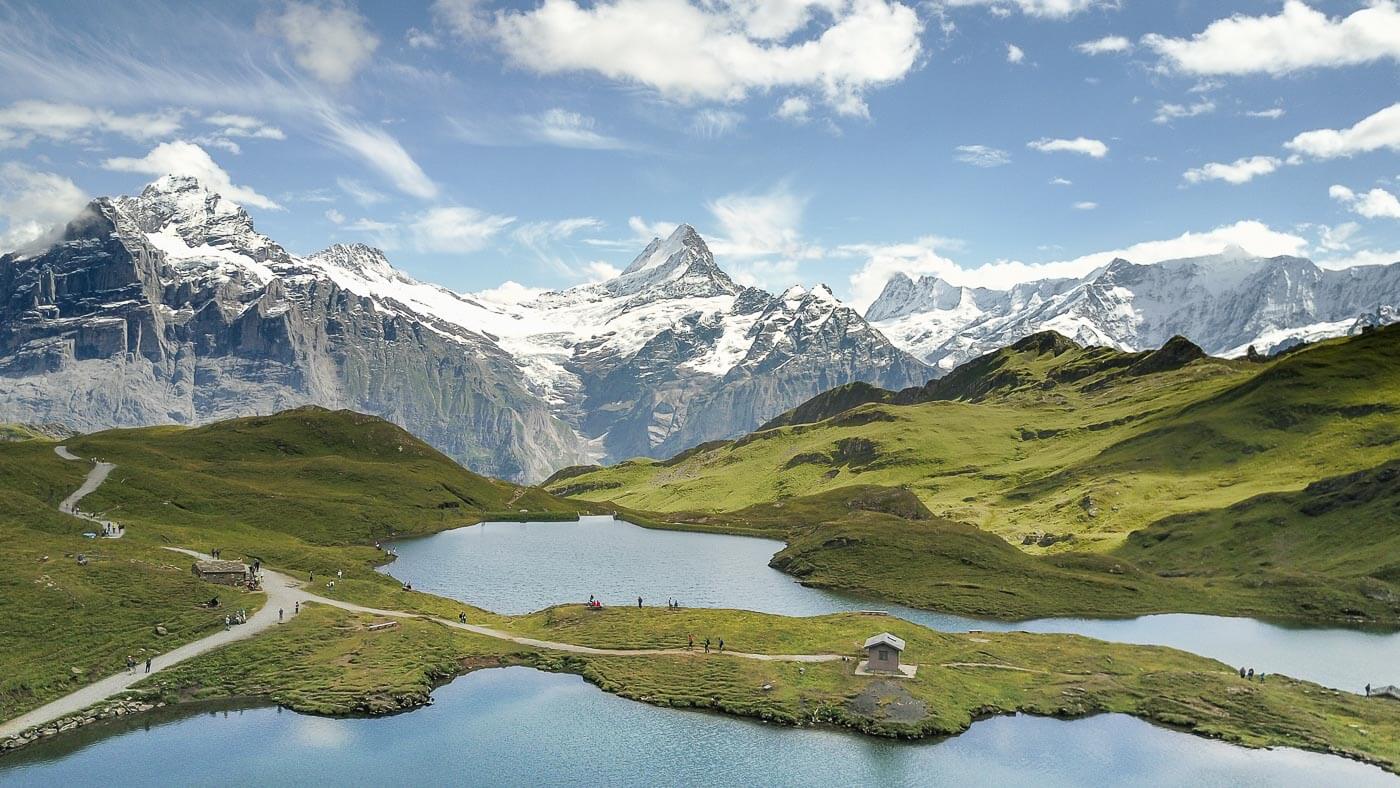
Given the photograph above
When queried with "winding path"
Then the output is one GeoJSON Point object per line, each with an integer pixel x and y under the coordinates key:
{"type": "Point", "coordinates": [284, 594]}
{"type": "Point", "coordinates": [94, 479]}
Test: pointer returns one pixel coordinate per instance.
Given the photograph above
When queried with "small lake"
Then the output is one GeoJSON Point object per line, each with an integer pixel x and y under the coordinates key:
{"type": "Point", "coordinates": [517, 726]}
{"type": "Point", "coordinates": [522, 567]}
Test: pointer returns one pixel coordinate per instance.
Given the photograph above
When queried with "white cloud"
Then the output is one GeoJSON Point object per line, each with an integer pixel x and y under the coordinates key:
{"type": "Point", "coordinates": [1273, 113]}
{"type": "Point", "coordinates": [1081, 145]}
{"type": "Point", "coordinates": [1236, 172]}
{"type": "Point", "coordinates": [382, 152]}
{"type": "Point", "coordinates": [567, 130]}
{"type": "Point", "coordinates": [1166, 113]}
{"type": "Point", "coordinates": [1106, 45]}
{"type": "Point", "coordinates": [1061, 182]}
{"type": "Point", "coordinates": [1086, 205]}
{"type": "Point", "coordinates": [795, 108]}
{"type": "Point", "coordinates": [455, 229]}
{"type": "Point", "coordinates": [465, 19]}
{"type": "Point", "coordinates": [34, 205]}
{"type": "Point", "coordinates": [1297, 38]}
{"type": "Point", "coordinates": [24, 121]}
{"type": "Point", "coordinates": [360, 193]}
{"type": "Point", "coordinates": [541, 238]}
{"type": "Point", "coordinates": [334, 216]}
{"type": "Point", "coordinates": [694, 52]}
{"type": "Point", "coordinates": [244, 126]}
{"type": "Point", "coordinates": [712, 123]}
{"type": "Point", "coordinates": [1374, 204]}
{"type": "Point", "coordinates": [982, 156]}
{"type": "Point", "coordinates": [925, 256]}
{"type": "Point", "coordinates": [600, 271]}
{"type": "Point", "coordinates": [1052, 9]}
{"type": "Point", "coordinates": [1379, 131]}
{"type": "Point", "coordinates": [331, 41]}
{"type": "Point", "coordinates": [1014, 54]}
{"type": "Point", "coordinates": [187, 158]}
{"type": "Point", "coordinates": [420, 39]}
{"type": "Point", "coordinates": [1338, 238]}
{"type": "Point", "coordinates": [761, 225]}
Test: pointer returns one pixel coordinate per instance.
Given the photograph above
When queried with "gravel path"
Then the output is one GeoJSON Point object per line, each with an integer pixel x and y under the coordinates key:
{"type": "Point", "coordinates": [94, 479]}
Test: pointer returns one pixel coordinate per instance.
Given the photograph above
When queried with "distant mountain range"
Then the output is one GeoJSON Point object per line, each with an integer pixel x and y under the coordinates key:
{"type": "Point", "coordinates": [170, 307]}
{"type": "Point", "coordinates": [1225, 303]}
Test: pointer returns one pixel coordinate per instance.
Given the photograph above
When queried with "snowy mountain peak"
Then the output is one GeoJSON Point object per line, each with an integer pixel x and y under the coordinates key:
{"type": "Point", "coordinates": [178, 208]}
{"type": "Point", "coordinates": [357, 258]}
{"type": "Point", "coordinates": [679, 265]}
{"type": "Point", "coordinates": [904, 296]}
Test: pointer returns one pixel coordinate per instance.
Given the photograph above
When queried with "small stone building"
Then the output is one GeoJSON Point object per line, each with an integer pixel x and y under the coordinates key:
{"type": "Point", "coordinates": [229, 573]}
{"type": "Point", "coordinates": [882, 653]}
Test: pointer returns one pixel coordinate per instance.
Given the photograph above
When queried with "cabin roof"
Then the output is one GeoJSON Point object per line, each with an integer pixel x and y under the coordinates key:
{"type": "Point", "coordinates": [885, 639]}
{"type": "Point", "coordinates": [220, 567]}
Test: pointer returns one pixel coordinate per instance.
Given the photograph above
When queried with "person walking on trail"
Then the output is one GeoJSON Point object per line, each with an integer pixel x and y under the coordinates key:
{"type": "Point", "coordinates": [707, 645]}
{"type": "Point", "coordinates": [297, 609]}
{"type": "Point", "coordinates": [1241, 672]}
{"type": "Point", "coordinates": [721, 645]}
{"type": "Point", "coordinates": [279, 615]}
{"type": "Point", "coordinates": [148, 664]}
{"type": "Point", "coordinates": [226, 623]}
{"type": "Point", "coordinates": [130, 664]}
{"type": "Point", "coordinates": [462, 617]}
{"type": "Point", "coordinates": [691, 644]}
{"type": "Point", "coordinates": [1251, 674]}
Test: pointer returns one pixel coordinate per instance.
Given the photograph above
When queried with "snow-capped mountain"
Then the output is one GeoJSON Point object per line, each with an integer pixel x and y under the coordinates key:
{"type": "Point", "coordinates": [171, 307]}
{"type": "Point", "coordinates": [1225, 303]}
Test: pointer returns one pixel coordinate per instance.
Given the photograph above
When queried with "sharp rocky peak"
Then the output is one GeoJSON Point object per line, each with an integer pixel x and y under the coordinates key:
{"type": "Point", "coordinates": [681, 264]}
{"type": "Point", "coordinates": [182, 206]}
{"type": "Point", "coordinates": [357, 258]}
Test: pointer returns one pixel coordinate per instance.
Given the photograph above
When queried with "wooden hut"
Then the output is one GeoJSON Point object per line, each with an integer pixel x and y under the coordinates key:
{"type": "Point", "coordinates": [229, 573]}
{"type": "Point", "coordinates": [882, 653]}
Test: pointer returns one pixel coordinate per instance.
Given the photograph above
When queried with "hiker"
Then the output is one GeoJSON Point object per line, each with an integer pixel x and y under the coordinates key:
{"type": "Point", "coordinates": [1251, 674]}
{"type": "Point", "coordinates": [279, 615]}
{"type": "Point", "coordinates": [297, 609]}
{"type": "Point", "coordinates": [707, 645]}
{"type": "Point", "coordinates": [311, 578]}
{"type": "Point", "coordinates": [691, 644]}
{"type": "Point", "coordinates": [226, 623]}
{"type": "Point", "coordinates": [1368, 690]}
{"type": "Point", "coordinates": [590, 600]}
{"type": "Point", "coordinates": [1241, 672]}
{"type": "Point", "coordinates": [721, 645]}
{"type": "Point", "coordinates": [462, 617]}
{"type": "Point", "coordinates": [130, 664]}
{"type": "Point", "coordinates": [639, 603]}
{"type": "Point", "coordinates": [148, 664]}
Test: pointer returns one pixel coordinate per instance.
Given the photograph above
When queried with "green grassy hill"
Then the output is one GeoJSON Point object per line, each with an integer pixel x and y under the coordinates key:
{"type": "Point", "coordinates": [306, 490]}
{"type": "Point", "coordinates": [1087, 446]}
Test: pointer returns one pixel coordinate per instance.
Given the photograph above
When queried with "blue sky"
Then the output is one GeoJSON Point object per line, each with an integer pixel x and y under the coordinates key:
{"type": "Point", "coordinates": [988, 141]}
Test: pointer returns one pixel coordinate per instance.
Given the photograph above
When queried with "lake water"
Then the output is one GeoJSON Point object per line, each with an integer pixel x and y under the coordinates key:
{"type": "Point", "coordinates": [522, 567]}
{"type": "Point", "coordinates": [516, 726]}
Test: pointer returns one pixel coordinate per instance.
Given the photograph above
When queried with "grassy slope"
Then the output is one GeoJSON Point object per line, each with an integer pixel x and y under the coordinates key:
{"type": "Point", "coordinates": [1067, 441]}
{"type": "Point", "coordinates": [306, 490]}
{"type": "Point", "coordinates": [325, 661]}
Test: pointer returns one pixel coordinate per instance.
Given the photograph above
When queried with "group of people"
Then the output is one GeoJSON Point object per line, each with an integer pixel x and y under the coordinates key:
{"type": "Point", "coordinates": [690, 644]}
{"type": "Point", "coordinates": [596, 604]}
{"type": "Point", "coordinates": [673, 604]}
{"type": "Point", "coordinates": [1249, 674]}
{"type": "Point", "coordinates": [239, 616]}
{"type": "Point", "coordinates": [131, 664]}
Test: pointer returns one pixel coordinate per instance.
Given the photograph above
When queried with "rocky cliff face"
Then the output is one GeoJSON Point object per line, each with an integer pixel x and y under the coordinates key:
{"type": "Point", "coordinates": [1225, 303]}
{"type": "Point", "coordinates": [169, 307]}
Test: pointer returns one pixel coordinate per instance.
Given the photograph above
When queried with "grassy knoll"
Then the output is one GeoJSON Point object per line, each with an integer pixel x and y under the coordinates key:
{"type": "Point", "coordinates": [1020, 477]}
{"type": "Point", "coordinates": [327, 662]}
{"type": "Point", "coordinates": [308, 490]}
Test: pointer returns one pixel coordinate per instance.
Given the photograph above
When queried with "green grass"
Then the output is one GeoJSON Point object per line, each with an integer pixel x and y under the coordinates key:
{"type": "Point", "coordinates": [308, 490]}
{"type": "Point", "coordinates": [1046, 437]}
{"type": "Point", "coordinates": [327, 662]}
